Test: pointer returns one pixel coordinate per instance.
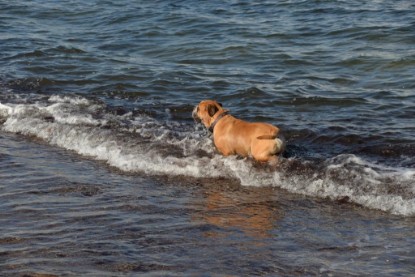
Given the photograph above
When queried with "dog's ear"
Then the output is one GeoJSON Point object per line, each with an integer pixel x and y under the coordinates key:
{"type": "Point", "coordinates": [220, 104]}
{"type": "Point", "coordinates": [212, 109]}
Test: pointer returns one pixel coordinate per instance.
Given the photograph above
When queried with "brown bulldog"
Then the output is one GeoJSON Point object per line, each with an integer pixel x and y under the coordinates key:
{"type": "Point", "coordinates": [233, 136]}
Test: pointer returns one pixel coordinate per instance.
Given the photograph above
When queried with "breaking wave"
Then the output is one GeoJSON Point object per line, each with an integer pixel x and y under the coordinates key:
{"type": "Point", "coordinates": [138, 143]}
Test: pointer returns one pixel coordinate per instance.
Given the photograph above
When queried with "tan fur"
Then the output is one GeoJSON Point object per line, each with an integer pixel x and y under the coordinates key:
{"type": "Point", "coordinates": [233, 136]}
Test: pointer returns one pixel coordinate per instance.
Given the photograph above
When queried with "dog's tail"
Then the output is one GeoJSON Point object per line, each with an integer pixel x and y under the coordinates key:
{"type": "Point", "coordinates": [279, 142]}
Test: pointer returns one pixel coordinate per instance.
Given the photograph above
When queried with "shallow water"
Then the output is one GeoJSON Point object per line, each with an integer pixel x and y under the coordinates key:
{"type": "Point", "coordinates": [104, 172]}
{"type": "Point", "coordinates": [66, 215]}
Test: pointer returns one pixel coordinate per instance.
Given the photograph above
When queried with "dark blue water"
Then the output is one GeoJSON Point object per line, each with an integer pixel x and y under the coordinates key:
{"type": "Point", "coordinates": [103, 171]}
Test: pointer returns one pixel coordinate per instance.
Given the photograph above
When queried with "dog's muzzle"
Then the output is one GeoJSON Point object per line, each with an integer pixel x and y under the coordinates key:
{"type": "Point", "coordinates": [194, 115]}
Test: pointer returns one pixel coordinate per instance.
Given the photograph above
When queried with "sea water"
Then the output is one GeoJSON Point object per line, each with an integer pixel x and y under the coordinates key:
{"type": "Point", "coordinates": [104, 172]}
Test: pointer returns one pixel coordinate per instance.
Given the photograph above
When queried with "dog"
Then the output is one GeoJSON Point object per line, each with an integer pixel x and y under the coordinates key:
{"type": "Point", "coordinates": [233, 136]}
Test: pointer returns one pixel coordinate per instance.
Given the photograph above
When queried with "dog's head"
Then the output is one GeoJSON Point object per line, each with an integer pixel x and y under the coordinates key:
{"type": "Point", "coordinates": [205, 111]}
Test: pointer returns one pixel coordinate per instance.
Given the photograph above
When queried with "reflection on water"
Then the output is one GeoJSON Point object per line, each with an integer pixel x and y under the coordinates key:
{"type": "Point", "coordinates": [255, 213]}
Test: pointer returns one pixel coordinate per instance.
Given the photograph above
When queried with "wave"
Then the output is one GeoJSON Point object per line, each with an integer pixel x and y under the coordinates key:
{"type": "Point", "coordinates": [138, 143]}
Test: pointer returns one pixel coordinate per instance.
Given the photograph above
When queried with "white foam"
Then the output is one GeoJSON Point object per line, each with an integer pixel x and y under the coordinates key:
{"type": "Point", "coordinates": [66, 114]}
{"type": "Point", "coordinates": [142, 144]}
{"type": "Point", "coordinates": [79, 134]}
{"type": "Point", "coordinates": [75, 100]}
{"type": "Point", "coordinates": [364, 185]}
{"type": "Point", "coordinates": [5, 110]}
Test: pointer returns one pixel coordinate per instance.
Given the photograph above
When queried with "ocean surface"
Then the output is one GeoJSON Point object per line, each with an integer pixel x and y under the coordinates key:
{"type": "Point", "coordinates": [103, 171]}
